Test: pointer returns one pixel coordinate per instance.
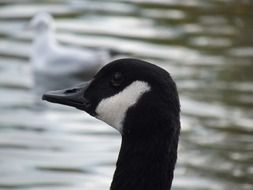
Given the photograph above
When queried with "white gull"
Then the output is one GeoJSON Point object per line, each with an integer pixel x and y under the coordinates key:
{"type": "Point", "coordinates": [57, 66]}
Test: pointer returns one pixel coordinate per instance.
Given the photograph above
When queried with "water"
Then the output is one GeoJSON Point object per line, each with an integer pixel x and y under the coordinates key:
{"type": "Point", "coordinates": [207, 46]}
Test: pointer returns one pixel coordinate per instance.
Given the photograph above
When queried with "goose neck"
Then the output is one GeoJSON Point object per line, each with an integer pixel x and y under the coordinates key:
{"type": "Point", "coordinates": [146, 164]}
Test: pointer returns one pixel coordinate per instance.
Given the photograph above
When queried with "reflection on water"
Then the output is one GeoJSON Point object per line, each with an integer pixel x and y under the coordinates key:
{"type": "Point", "coordinates": [205, 45]}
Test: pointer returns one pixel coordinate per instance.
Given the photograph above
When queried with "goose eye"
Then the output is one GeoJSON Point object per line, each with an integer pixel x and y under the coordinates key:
{"type": "Point", "coordinates": [117, 79]}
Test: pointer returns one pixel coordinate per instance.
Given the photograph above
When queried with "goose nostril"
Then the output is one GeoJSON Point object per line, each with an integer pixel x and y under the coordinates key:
{"type": "Point", "coordinates": [73, 90]}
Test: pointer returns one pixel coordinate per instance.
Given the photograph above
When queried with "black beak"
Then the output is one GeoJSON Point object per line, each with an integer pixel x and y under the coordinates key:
{"type": "Point", "coordinates": [71, 97]}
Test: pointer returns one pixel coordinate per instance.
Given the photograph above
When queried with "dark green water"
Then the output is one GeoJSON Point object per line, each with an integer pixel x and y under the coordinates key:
{"type": "Point", "coordinates": [207, 46]}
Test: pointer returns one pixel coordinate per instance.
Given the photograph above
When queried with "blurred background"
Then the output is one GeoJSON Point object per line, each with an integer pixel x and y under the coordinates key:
{"type": "Point", "coordinates": [206, 45]}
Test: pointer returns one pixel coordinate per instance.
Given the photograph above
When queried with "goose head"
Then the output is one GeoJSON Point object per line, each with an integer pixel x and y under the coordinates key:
{"type": "Point", "coordinates": [140, 100]}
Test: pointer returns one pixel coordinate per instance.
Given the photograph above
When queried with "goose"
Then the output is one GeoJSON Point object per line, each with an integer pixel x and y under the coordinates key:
{"type": "Point", "coordinates": [52, 62]}
{"type": "Point", "coordinates": [140, 100]}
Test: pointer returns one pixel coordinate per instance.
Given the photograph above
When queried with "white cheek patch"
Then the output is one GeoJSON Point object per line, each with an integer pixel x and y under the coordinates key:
{"type": "Point", "coordinates": [112, 110]}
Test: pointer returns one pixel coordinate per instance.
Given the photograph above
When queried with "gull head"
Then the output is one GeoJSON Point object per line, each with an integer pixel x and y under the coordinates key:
{"type": "Point", "coordinates": [41, 22]}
